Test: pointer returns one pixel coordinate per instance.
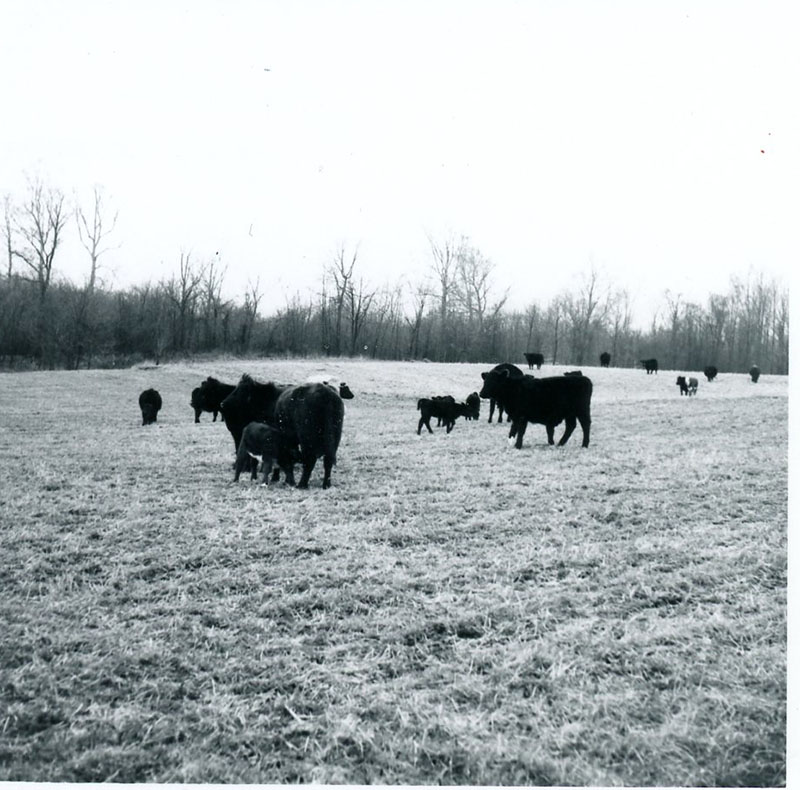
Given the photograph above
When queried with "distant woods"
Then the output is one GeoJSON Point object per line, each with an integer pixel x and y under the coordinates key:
{"type": "Point", "coordinates": [456, 313]}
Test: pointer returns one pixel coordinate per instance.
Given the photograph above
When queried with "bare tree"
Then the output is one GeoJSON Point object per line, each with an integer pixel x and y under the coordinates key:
{"type": "Point", "coordinates": [446, 255]}
{"type": "Point", "coordinates": [183, 292]}
{"type": "Point", "coordinates": [8, 235]}
{"type": "Point", "coordinates": [93, 232]}
{"type": "Point", "coordinates": [586, 312]}
{"type": "Point", "coordinates": [342, 273]}
{"type": "Point", "coordinates": [39, 224]}
{"type": "Point", "coordinates": [252, 299]}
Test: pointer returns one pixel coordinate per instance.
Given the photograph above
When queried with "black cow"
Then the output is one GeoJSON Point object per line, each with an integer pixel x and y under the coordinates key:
{"type": "Point", "coordinates": [344, 391]}
{"type": "Point", "coordinates": [548, 401]}
{"type": "Point", "coordinates": [445, 410]}
{"type": "Point", "coordinates": [442, 399]}
{"type": "Point", "coordinates": [710, 372]}
{"type": "Point", "coordinates": [208, 396]}
{"type": "Point", "coordinates": [310, 416]}
{"type": "Point", "coordinates": [265, 443]}
{"type": "Point", "coordinates": [473, 401]}
{"type": "Point", "coordinates": [150, 404]}
{"type": "Point", "coordinates": [650, 365]}
{"type": "Point", "coordinates": [605, 359]}
{"type": "Point", "coordinates": [250, 401]}
{"type": "Point", "coordinates": [755, 372]}
{"type": "Point", "coordinates": [514, 372]}
{"type": "Point", "coordinates": [534, 359]}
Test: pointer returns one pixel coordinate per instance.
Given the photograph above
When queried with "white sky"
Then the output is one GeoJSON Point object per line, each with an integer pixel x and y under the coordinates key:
{"type": "Point", "coordinates": [556, 135]}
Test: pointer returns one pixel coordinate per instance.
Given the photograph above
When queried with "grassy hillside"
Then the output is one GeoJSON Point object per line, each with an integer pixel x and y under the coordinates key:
{"type": "Point", "coordinates": [452, 610]}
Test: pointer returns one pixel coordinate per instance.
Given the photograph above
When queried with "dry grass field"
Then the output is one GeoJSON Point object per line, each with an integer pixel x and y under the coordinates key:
{"type": "Point", "coordinates": [452, 610]}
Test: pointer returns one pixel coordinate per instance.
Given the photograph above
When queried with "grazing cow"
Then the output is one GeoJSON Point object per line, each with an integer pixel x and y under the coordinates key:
{"type": "Point", "coordinates": [448, 411]}
{"type": "Point", "coordinates": [310, 416]}
{"type": "Point", "coordinates": [514, 372]}
{"type": "Point", "coordinates": [573, 373]}
{"type": "Point", "coordinates": [208, 396]}
{"type": "Point", "coordinates": [262, 442]}
{"type": "Point", "coordinates": [755, 372]}
{"type": "Point", "coordinates": [693, 385]}
{"type": "Point", "coordinates": [548, 401]}
{"type": "Point", "coordinates": [650, 365]}
{"type": "Point", "coordinates": [534, 359]}
{"type": "Point", "coordinates": [710, 372]}
{"type": "Point", "coordinates": [150, 404]}
{"type": "Point", "coordinates": [605, 359]}
{"type": "Point", "coordinates": [473, 402]}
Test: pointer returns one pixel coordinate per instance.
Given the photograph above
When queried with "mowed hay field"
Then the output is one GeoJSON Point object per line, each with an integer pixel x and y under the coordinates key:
{"type": "Point", "coordinates": [452, 610]}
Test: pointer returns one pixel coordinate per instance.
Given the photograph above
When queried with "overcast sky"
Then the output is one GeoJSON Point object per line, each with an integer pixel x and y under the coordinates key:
{"type": "Point", "coordinates": [657, 141]}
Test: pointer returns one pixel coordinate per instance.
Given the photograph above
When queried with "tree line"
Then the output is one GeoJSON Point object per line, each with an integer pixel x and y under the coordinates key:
{"type": "Point", "coordinates": [455, 313]}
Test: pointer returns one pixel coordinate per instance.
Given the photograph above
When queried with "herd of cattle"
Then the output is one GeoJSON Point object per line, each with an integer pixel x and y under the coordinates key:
{"type": "Point", "coordinates": [281, 425]}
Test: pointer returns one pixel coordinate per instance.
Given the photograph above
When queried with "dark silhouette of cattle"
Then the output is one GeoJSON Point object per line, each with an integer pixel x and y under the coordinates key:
{"type": "Point", "coordinates": [208, 397]}
{"type": "Point", "coordinates": [547, 401]}
{"type": "Point", "coordinates": [310, 417]}
{"type": "Point", "coordinates": [442, 399]}
{"type": "Point", "coordinates": [262, 442]}
{"type": "Point", "coordinates": [513, 371]}
{"type": "Point", "coordinates": [573, 373]}
{"type": "Point", "coordinates": [344, 391]}
{"type": "Point", "coordinates": [150, 404]}
{"type": "Point", "coordinates": [755, 372]}
{"type": "Point", "coordinates": [688, 387]}
{"type": "Point", "coordinates": [250, 401]}
{"type": "Point", "coordinates": [710, 372]}
{"type": "Point", "coordinates": [446, 411]}
{"type": "Point", "coordinates": [650, 365]}
{"type": "Point", "coordinates": [473, 402]}
{"type": "Point", "coordinates": [605, 359]}
{"type": "Point", "coordinates": [534, 358]}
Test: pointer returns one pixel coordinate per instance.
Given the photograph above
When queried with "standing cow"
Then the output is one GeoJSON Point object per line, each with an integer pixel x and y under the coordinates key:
{"type": "Point", "coordinates": [605, 359]}
{"type": "Point", "coordinates": [310, 416]}
{"type": "Point", "coordinates": [208, 397]}
{"type": "Point", "coordinates": [534, 358]}
{"type": "Point", "coordinates": [710, 372]}
{"type": "Point", "coordinates": [755, 372]}
{"type": "Point", "coordinates": [548, 401]}
{"type": "Point", "coordinates": [514, 372]}
{"type": "Point", "coordinates": [150, 404]}
{"type": "Point", "coordinates": [650, 365]}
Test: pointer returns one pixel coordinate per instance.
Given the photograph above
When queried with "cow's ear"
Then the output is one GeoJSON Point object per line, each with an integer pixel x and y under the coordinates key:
{"type": "Point", "coordinates": [483, 376]}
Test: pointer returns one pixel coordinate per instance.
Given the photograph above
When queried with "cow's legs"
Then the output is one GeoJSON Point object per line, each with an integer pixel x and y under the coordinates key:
{"type": "Point", "coordinates": [569, 427]}
{"type": "Point", "coordinates": [215, 416]}
{"type": "Point", "coordinates": [586, 424]}
{"type": "Point", "coordinates": [551, 429]}
{"type": "Point", "coordinates": [197, 415]}
{"type": "Point", "coordinates": [520, 426]}
{"type": "Point", "coordinates": [309, 462]}
{"type": "Point", "coordinates": [327, 465]}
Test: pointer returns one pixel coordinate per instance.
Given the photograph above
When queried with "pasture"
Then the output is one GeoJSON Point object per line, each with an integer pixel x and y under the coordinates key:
{"type": "Point", "coordinates": [451, 610]}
